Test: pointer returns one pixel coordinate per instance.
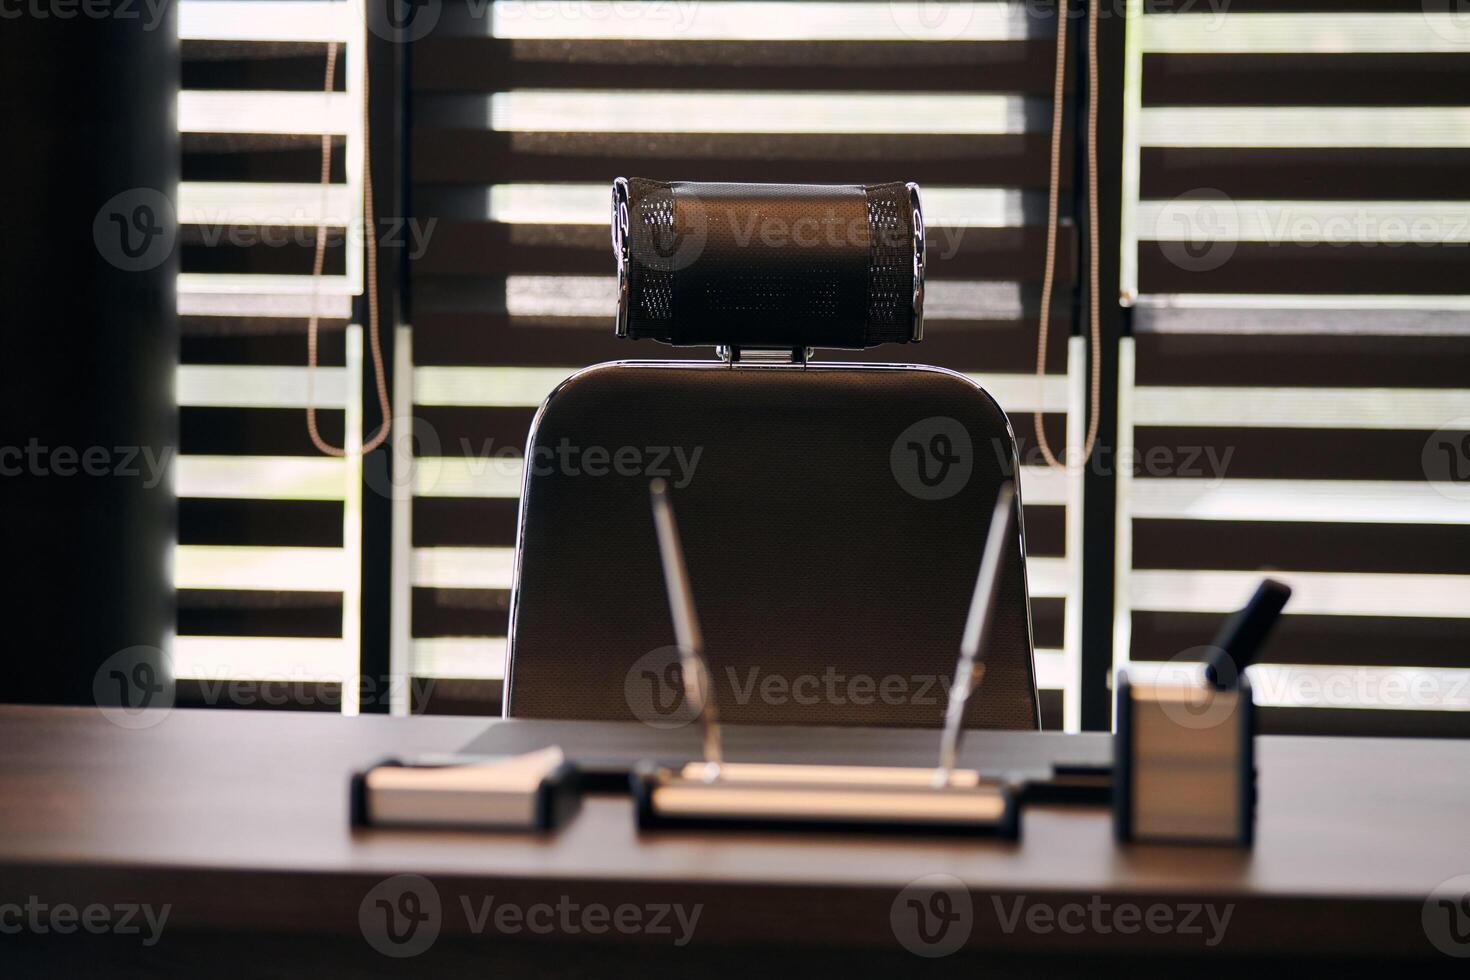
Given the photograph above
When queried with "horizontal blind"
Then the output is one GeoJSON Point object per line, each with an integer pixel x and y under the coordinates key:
{"type": "Point", "coordinates": [1296, 399]}
{"type": "Point", "coordinates": [522, 115]}
{"type": "Point", "coordinates": [267, 563]}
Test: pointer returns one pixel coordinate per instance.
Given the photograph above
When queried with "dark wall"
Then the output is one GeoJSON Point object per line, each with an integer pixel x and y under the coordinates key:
{"type": "Point", "coordinates": [88, 344]}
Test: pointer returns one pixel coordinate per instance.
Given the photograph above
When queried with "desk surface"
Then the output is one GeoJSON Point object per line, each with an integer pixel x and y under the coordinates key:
{"type": "Point", "coordinates": [239, 820]}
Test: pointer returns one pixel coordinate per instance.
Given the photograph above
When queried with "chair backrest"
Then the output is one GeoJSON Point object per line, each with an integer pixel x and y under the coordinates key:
{"type": "Point", "coordinates": [832, 516]}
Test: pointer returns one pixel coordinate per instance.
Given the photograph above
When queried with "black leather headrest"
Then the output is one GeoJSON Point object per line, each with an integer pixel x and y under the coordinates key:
{"type": "Point", "coordinates": [769, 265]}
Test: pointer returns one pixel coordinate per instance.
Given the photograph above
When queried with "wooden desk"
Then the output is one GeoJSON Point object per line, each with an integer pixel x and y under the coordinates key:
{"type": "Point", "coordinates": [238, 821]}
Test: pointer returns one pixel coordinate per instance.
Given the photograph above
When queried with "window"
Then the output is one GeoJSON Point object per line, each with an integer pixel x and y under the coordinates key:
{"type": "Point", "coordinates": [523, 117]}
{"type": "Point", "coordinates": [1295, 393]}
{"type": "Point", "coordinates": [1291, 390]}
{"type": "Point", "coordinates": [269, 529]}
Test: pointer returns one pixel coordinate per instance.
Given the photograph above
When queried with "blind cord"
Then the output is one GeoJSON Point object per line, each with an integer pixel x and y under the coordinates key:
{"type": "Point", "coordinates": [1094, 329]}
{"type": "Point", "coordinates": [319, 263]}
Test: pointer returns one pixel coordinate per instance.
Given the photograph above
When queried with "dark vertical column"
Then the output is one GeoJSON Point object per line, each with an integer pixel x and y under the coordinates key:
{"type": "Point", "coordinates": [387, 47]}
{"type": "Point", "coordinates": [1100, 483]}
{"type": "Point", "coordinates": [88, 348]}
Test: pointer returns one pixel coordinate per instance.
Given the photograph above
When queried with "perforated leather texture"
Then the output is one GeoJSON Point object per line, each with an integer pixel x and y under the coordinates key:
{"type": "Point", "coordinates": [830, 591]}
{"type": "Point", "coordinates": [770, 264]}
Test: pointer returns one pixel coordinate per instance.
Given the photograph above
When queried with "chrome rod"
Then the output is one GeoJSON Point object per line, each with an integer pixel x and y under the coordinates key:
{"type": "Point", "coordinates": [686, 625]}
{"type": "Point", "coordinates": [970, 670]}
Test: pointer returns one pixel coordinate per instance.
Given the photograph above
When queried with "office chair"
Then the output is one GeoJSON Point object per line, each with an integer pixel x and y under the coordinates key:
{"type": "Point", "coordinates": [832, 514]}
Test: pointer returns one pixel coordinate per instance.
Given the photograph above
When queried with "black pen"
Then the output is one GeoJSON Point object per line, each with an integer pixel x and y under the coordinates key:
{"type": "Point", "coordinates": [1244, 634]}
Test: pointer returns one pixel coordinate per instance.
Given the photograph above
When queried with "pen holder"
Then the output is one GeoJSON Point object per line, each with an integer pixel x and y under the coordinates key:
{"type": "Point", "coordinates": [1184, 766]}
